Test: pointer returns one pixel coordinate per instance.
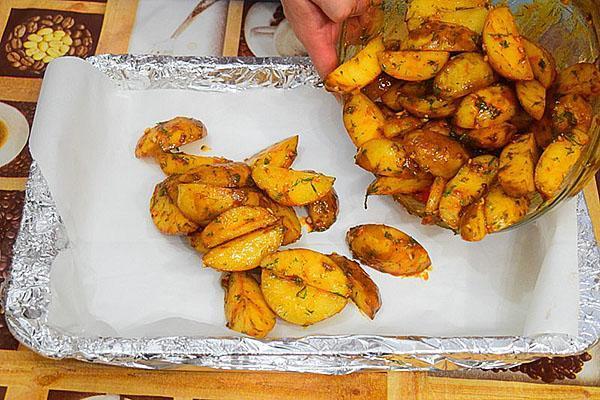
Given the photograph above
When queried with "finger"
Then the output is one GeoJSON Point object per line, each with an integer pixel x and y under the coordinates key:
{"type": "Point", "coordinates": [339, 10]}
{"type": "Point", "coordinates": [323, 52]}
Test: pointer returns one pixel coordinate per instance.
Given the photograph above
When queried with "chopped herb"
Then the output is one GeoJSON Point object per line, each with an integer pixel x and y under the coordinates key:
{"type": "Point", "coordinates": [302, 293]}
{"type": "Point", "coordinates": [542, 64]}
{"type": "Point", "coordinates": [505, 44]}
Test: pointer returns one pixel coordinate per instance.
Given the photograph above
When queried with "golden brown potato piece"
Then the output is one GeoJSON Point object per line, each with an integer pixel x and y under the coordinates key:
{"type": "Point", "coordinates": [387, 250]}
{"type": "Point", "coordinates": [389, 98]}
{"type": "Point", "coordinates": [201, 202]}
{"type": "Point", "coordinates": [468, 185]}
{"type": "Point", "coordinates": [421, 10]}
{"type": "Point", "coordinates": [169, 135]}
{"type": "Point", "coordinates": [502, 210]}
{"type": "Point", "coordinates": [532, 96]}
{"type": "Point", "coordinates": [281, 154]}
{"type": "Point", "coordinates": [245, 252]}
{"type": "Point", "coordinates": [292, 230]}
{"type": "Point", "coordinates": [292, 188]}
{"type": "Point", "coordinates": [413, 65]}
{"type": "Point", "coordinates": [385, 157]}
{"type": "Point", "coordinates": [554, 165]}
{"type": "Point", "coordinates": [378, 87]}
{"type": "Point", "coordinates": [323, 213]}
{"type": "Point", "coordinates": [571, 111]}
{"type": "Point", "coordinates": [229, 175]}
{"type": "Point", "coordinates": [583, 79]}
{"type": "Point", "coordinates": [181, 163]}
{"type": "Point", "coordinates": [463, 74]}
{"type": "Point", "coordinates": [365, 293]}
{"type": "Point", "coordinates": [472, 222]}
{"type": "Point", "coordinates": [197, 243]}
{"type": "Point", "coordinates": [358, 71]}
{"type": "Point", "coordinates": [363, 119]}
{"type": "Point", "coordinates": [438, 126]}
{"type": "Point", "coordinates": [542, 63]}
{"type": "Point", "coordinates": [543, 130]}
{"type": "Point", "coordinates": [399, 125]}
{"type": "Point", "coordinates": [428, 106]}
{"type": "Point", "coordinates": [486, 107]}
{"type": "Point", "coordinates": [472, 18]}
{"type": "Point", "coordinates": [441, 36]}
{"type": "Point", "coordinates": [296, 302]}
{"type": "Point", "coordinates": [437, 154]}
{"type": "Point", "coordinates": [493, 137]}
{"type": "Point", "coordinates": [246, 310]}
{"type": "Point", "coordinates": [236, 222]}
{"type": "Point", "coordinates": [435, 195]}
{"type": "Point", "coordinates": [504, 46]}
{"type": "Point", "coordinates": [385, 185]}
{"type": "Point", "coordinates": [517, 166]}
{"type": "Point", "coordinates": [522, 121]}
{"type": "Point", "coordinates": [166, 216]}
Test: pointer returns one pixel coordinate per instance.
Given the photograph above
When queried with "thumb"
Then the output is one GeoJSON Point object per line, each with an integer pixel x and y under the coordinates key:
{"type": "Point", "coordinates": [340, 10]}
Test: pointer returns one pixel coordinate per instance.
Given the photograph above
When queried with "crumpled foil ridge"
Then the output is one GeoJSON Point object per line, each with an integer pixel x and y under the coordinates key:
{"type": "Point", "coordinates": [43, 236]}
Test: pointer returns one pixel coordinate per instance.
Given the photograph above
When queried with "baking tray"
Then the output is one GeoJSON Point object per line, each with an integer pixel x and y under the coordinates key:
{"type": "Point", "coordinates": [42, 236]}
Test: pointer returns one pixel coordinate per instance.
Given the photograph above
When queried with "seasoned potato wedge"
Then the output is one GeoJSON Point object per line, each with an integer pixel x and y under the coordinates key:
{"type": "Point", "coordinates": [323, 212]}
{"type": "Point", "coordinates": [195, 240]}
{"type": "Point", "coordinates": [246, 310]}
{"type": "Point", "coordinates": [421, 10]}
{"type": "Point", "coordinates": [522, 120]}
{"type": "Point", "coordinates": [542, 63]}
{"type": "Point", "coordinates": [245, 252]}
{"type": "Point", "coordinates": [236, 222]}
{"type": "Point", "coordinates": [385, 185]}
{"type": "Point", "coordinates": [365, 293]}
{"type": "Point", "coordinates": [389, 98]}
{"type": "Point", "coordinates": [468, 185]}
{"type": "Point", "coordinates": [554, 165]}
{"type": "Point", "coordinates": [357, 72]}
{"type": "Point", "coordinates": [296, 302]}
{"type": "Point", "coordinates": [292, 230]}
{"type": "Point", "coordinates": [399, 125]}
{"type": "Point", "coordinates": [504, 46]}
{"type": "Point", "coordinates": [363, 119]}
{"type": "Point", "coordinates": [582, 79]}
{"type": "Point", "coordinates": [435, 195]}
{"type": "Point", "coordinates": [181, 163]}
{"type": "Point", "coordinates": [502, 210]}
{"type": "Point", "coordinates": [439, 126]}
{"type": "Point", "coordinates": [385, 157]}
{"type": "Point", "coordinates": [165, 214]}
{"type": "Point", "coordinates": [413, 65]}
{"type": "Point", "coordinates": [292, 188]}
{"type": "Point", "coordinates": [378, 87]}
{"type": "Point", "coordinates": [229, 175]}
{"type": "Point", "coordinates": [532, 96]}
{"type": "Point", "coordinates": [472, 222]}
{"type": "Point", "coordinates": [428, 106]}
{"type": "Point", "coordinates": [486, 107]}
{"type": "Point", "coordinates": [387, 250]}
{"type": "Point", "coordinates": [463, 74]}
{"type": "Point", "coordinates": [472, 18]}
{"type": "Point", "coordinates": [441, 36]}
{"type": "Point", "coordinates": [493, 137]}
{"type": "Point", "coordinates": [169, 135]}
{"type": "Point", "coordinates": [436, 154]}
{"type": "Point", "coordinates": [543, 130]}
{"type": "Point", "coordinates": [571, 111]}
{"type": "Point", "coordinates": [517, 166]}
{"type": "Point", "coordinates": [281, 154]}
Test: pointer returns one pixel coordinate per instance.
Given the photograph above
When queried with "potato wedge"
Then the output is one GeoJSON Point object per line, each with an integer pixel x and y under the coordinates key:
{"type": "Point", "coordinates": [463, 74]}
{"type": "Point", "coordinates": [246, 310]}
{"type": "Point", "coordinates": [292, 230]}
{"type": "Point", "coordinates": [434, 153]}
{"type": "Point", "coordinates": [413, 65]}
{"type": "Point", "coordinates": [439, 126]}
{"type": "Point", "coordinates": [378, 87]}
{"type": "Point", "coordinates": [472, 18]}
{"type": "Point", "coordinates": [428, 106]}
{"type": "Point", "coordinates": [358, 71]}
{"type": "Point", "coordinates": [362, 118]}
{"type": "Point", "coordinates": [281, 154]}
{"type": "Point", "coordinates": [299, 303]}
{"type": "Point", "coordinates": [504, 46]}
{"type": "Point", "coordinates": [385, 157]}
{"type": "Point", "coordinates": [502, 210]}
{"type": "Point", "coordinates": [387, 250]}
{"type": "Point", "coordinates": [195, 240]}
{"type": "Point", "coordinates": [435, 195]}
{"type": "Point", "coordinates": [517, 166]}
{"type": "Point", "coordinates": [543, 130]}
{"type": "Point", "coordinates": [181, 163]}
{"type": "Point", "coordinates": [166, 216]}
{"type": "Point", "coordinates": [236, 222]}
{"type": "Point", "coordinates": [468, 185]}
{"type": "Point", "coordinates": [472, 222]}
{"type": "Point", "coordinates": [229, 175]}
{"type": "Point", "coordinates": [292, 188]}
{"type": "Point", "coordinates": [554, 165]}
{"type": "Point", "coordinates": [386, 185]}
{"type": "Point", "coordinates": [542, 63]}
{"type": "Point", "coordinates": [571, 111]}
{"type": "Point", "coordinates": [493, 137]}
{"type": "Point", "coordinates": [323, 212]}
{"type": "Point", "coordinates": [441, 36]}
{"type": "Point", "coordinates": [486, 107]}
{"type": "Point", "coordinates": [522, 120]}
{"type": "Point", "coordinates": [420, 10]}
{"type": "Point", "coordinates": [532, 96]}
{"type": "Point", "coordinates": [169, 135]}
{"type": "Point", "coordinates": [389, 98]}
{"type": "Point", "coordinates": [582, 79]}
{"type": "Point", "coordinates": [365, 293]}
{"type": "Point", "coordinates": [399, 125]}
{"type": "Point", "coordinates": [245, 252]}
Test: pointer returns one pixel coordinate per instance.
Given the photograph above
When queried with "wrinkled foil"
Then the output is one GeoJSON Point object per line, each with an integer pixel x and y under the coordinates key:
{"type": "Point", "coordinates": [43, 236]}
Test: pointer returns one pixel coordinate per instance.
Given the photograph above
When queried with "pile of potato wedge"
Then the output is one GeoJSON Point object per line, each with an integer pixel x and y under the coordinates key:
{"type": "Point", "coordinates": [465, 122]}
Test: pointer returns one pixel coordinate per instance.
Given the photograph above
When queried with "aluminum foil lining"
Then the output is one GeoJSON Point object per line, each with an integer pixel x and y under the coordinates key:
{"type": "Point", "coordinates": [42, 237]}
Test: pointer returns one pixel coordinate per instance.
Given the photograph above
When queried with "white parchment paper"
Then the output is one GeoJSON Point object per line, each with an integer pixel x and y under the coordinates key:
{"type": "Point", "coordinates": [122, 277]}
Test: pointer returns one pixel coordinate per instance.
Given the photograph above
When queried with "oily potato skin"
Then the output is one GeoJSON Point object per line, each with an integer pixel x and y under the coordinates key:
{"type": "Point", "coordinates": [441, 36]}
{"type": "Point", "coordinates": [365, 293]}
{"type": "Point", "coordinates": [468, 185]}
{"type": "Point", "coordinates": [292, 188]}
{"type": "Point", "coordinates": [166, 216]}
{"type": "Point", "coordinates": [435, 195]}
{"type": "Point", "coordinates": [472, 18]}
{"type": "Point", "coordinates": [428, 106]}
{"type": "Point", "coordinates": [434, 153]}
{"type": "Point", "coordinates": [229, 175]}
{"type": "Point", "coordinates": [502, 210]}
{"type": "Point", "coordinates": [463, 74]}
{"type": "Point", "coordinates": [542, 63]}
{"type": "Point", "coordinates": [543, 130]}
{"type": "Point", "coordinates": [387, 250]}
{"type": "Point", "coordinates": [532, 96]}
{"type": "Point", "coordinates": [504, 46]}
{"type": "Point", "coordinates": [554, 165]}
{"type": "Point", "coordinates": [236, 222]}
{"type": "Point", "coordinates": [571, 111]}
{"type": "Point", "coordinates": [486, 107]}
{"type": "Point", "coordinates": [399, 125]}
{"type": "Point", "coordinates": [323, 213]}
{"type": "Point", "coordinates": [413, 65]}
{"type": "Point", "coordinates": [292, 230]}
{"type": "Point", "coordinates": [281, 154]}
{"type": "Point", "coordinates": [362, 118]}
{"type": "Point", "coordinates": [245, 252]}
{"type": "Point", "coordinates": [472, 222]}
{"type": "Point", "coordinates": [181, 163]}
{"type": "Point", "coordinates": [358, 71]}
{"type": "Point", "coordinates": [493, 137]}
{"type": "Point", "coordinates": [424, 9]}
{"type": "Point", "coordinates": [582, 79]}
{"type": "Point", "coordinates": [388, 185]}
{"type": "Point", "coordinates": [385, 157]}
{"type": "Point", "coordinates": [195, 240]}
{"type": "Point", "coordinates": [517, 166]}
{"type": "Point", "coordinates": [169, 135]}
{"type": "Point", "coordinates": [246, 310]}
